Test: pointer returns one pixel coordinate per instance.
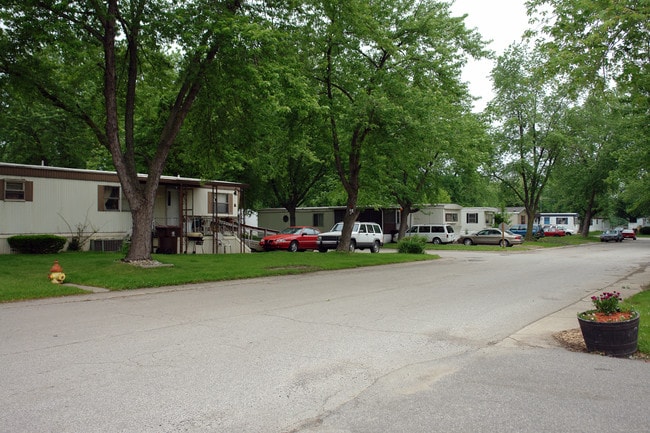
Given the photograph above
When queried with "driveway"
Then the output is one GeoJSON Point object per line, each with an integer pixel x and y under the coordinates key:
{"type": "Point", "coordinates": [420, 347]}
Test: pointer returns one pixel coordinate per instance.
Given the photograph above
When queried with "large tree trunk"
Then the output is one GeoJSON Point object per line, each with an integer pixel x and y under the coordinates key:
{"type": "Point", "coordinates": [589, 212]}
{"type": "Point", "coordinates": [530, 220]}
{"type": "Point", "coordinates": [403, 223]}
{"type": "Point", "coordinates": [351, 215]}
{"type": "Point", "coordinates": [141, 233]}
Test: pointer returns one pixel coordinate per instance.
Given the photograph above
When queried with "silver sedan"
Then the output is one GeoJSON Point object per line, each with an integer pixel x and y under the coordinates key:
{"type": "Point", "coordinates": [492, 237]}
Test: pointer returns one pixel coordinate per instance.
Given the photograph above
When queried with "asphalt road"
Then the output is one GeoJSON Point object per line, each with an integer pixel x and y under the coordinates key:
{"type": "Point", "coordinates": [401, 348]}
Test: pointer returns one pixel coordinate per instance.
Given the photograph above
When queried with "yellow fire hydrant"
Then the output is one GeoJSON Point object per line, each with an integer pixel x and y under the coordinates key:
{"type": "Point", "coordinates": [56, 273]}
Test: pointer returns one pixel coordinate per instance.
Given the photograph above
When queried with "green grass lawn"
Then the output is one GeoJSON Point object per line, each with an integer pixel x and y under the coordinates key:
{"type": "Point", "coordinates": [25, 276]}
{"type": "Point", "coordinates": [641, 303]}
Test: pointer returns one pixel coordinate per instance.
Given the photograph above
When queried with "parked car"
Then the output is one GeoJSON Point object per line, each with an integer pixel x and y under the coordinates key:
{"type": "Point", "coordinates": [492, 237]}
{"type": "Point", "coordinates": [364, 235]}
{"type": "Point", "coordinates": [435, 233]}
{"type": "Point", "coordinates": [568, 231]}
{"type": "Point", "coordinates": [553, 231]}
{"type": "Point", "coordinates": [292, 239]}
{"type": "Point", "coordinates": [629, 234]}
{"type": "Point", "coordinates": [611, 235]}
{"type": "Point", "coordinates": [521, 229]}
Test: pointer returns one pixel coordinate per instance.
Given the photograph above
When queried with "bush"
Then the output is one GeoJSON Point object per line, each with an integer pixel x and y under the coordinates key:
{"type": "Point", "coordinates": [74, 245]}
{"type": "Point", "coordinates": [37, 244]}
{"type": "Point", "coordinates": [412, 245]}
{"type": "Point", "coordinates": [645, 230]}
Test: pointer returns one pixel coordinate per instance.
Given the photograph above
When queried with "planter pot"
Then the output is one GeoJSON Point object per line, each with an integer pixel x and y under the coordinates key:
{"type": "Point", "coordinates": [611, 338]}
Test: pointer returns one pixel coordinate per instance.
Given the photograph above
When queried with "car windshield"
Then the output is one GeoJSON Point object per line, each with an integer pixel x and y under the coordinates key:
{"type": "Point", "coordinates": [337, 227]}
{"type": "Point", "coordinates": [291, 231]}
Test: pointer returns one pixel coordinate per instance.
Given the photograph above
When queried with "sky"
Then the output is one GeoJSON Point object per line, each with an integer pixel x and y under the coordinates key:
{"type": "Point", "coordinates": [503, 22]}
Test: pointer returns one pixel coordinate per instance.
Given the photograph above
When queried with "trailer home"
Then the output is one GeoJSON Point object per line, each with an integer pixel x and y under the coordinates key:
{"type": "Point", "coordinates": [190, 215]}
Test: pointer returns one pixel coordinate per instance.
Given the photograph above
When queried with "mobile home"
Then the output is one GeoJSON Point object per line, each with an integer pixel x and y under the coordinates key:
{"type": "Point", "coordinates": [190, 215]}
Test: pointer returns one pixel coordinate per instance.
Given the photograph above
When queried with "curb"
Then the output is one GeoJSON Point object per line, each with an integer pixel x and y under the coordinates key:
{"type": "Point", "coordinates": [540, 333]}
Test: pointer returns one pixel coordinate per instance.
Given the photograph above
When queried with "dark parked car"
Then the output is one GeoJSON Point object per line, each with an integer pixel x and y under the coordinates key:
{"type": "Point", "coordinates": [611, 235]}
{"type": "Point", "coordinates": [491, 237]}
{"type": "Point", "coordinates": [521, 229]}
{"type": "Point", "coordinates": [292, 239]}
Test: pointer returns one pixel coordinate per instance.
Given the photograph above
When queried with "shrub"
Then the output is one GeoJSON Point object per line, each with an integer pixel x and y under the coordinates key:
{"type": "Point", "coordinates": [645, 230]}
{"type": "Point", "coordinates": [412, 245]}
{"type": "Point", "coordinates": [37, 244]}
{"type": "Point", "coordinates": [74, 244]}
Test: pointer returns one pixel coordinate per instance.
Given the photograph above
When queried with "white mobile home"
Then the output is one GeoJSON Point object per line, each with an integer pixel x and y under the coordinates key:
{"type": "Point", "coordinates": [474, 219]}
{"type": "Point", "coordinates": [568, 220]}
{"type": "Point", "coordinates": [189, 214]}
{"type": "Point", "coordinates": [448, 214]}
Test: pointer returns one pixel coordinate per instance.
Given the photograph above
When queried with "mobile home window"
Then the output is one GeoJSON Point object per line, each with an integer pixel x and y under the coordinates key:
{"type": "Point", "coordinates": [319, 220]}
{"type": "Point", "coordinates": [14, 190]}
{"type": "Point", "coordinates": [472, 218]}
{"type": "Point", "coordinates": [562, 220]}
{"type": "Point", "coordinates": [219, 203]}
{"type": "Point", "coordinates": [451, 217]}
{"type": "Point", "coordinates": [109, 198]}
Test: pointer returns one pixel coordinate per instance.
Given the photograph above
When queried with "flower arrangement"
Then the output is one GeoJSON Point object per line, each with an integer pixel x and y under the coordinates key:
{"type": "Point", "coordinates": [607, 309]}
{"type": "Point", "coordinates": [607, 302]}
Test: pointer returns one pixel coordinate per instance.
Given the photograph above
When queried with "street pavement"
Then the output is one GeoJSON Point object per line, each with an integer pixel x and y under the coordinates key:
{"type": "Point", "coordinates": [460, 344]}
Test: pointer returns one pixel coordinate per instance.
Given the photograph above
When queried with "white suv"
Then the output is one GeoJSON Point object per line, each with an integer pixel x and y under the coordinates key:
{"type": "Point", "coordinates": [364, 235]}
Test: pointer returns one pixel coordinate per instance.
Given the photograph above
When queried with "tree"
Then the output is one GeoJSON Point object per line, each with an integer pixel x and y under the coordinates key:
{"type": "Point", "coordinates": [527, 112]}
{"type": "Point", "coordinates": [108, 47]}
{"type": "Point", "coordinates": [590, 159]}
{"type": "Point", "coordinates": [32, 132]}
{"type": "Point", "coordinates": [598, 44]}
{"type": "Point", "coordinates": [368, 60]}
{"type": "Point", "coordinates": [426, 159]}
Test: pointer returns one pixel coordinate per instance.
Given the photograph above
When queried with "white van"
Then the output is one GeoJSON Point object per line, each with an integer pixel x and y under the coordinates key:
{"type": "Point", "coordinates": [435, 233]}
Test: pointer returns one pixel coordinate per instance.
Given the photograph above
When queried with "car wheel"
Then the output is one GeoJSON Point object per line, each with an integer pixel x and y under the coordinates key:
{"type": "Point", "coordinates": [293, 247]}
{"type": "Point", "coordinates": [322, 250]}
{"type": "Point", "coordinates": [468, 242]}
{"type": "Point", "coordinates": [375, 247]}
{"type": "Point", "coordinates": [353, 246]}
{"type": "Point", "coordinates": [503, 243]}
{"type": "Point", "coordinates": [436, 241]}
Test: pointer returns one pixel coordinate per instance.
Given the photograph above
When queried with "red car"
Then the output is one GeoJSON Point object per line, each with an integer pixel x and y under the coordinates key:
{"type": "Point", "coordinates": [551, 231]}
{"type": "Point", "coordinates": [292, 239]}
{"type": "Point", "coordinates": [629, 234]}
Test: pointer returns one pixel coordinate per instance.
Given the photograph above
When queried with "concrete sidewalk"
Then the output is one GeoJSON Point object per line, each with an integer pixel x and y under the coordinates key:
{"type": "Point", "coordinates": [540, 333]}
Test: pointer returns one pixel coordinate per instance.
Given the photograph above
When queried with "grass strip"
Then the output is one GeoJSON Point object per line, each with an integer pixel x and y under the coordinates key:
{"type": "Point", "coordinates": [641, 303]}
{"type": "Point", "coordinates": [24, 276]}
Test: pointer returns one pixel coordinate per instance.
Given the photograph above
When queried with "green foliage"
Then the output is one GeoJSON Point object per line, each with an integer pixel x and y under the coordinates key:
{"type": "Point", "coordinates": [412, 245]}
{"type": "Point", "coordinates": [37, 244]}
{"type": "Point", "coordinates": [25, 276]}
{"type": "Point", "coordinates": [603, 46]}
{"type": "Point", "coordinates": [74, 244]}
{"type": "Point", "coordinates": [607, 302]}
{"type": "Point", "coordinates": [528, 112]}
{"type": "Point", "coordinates": [645, 230]}
{"type": "Point", "coordinates": [641, 304]}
